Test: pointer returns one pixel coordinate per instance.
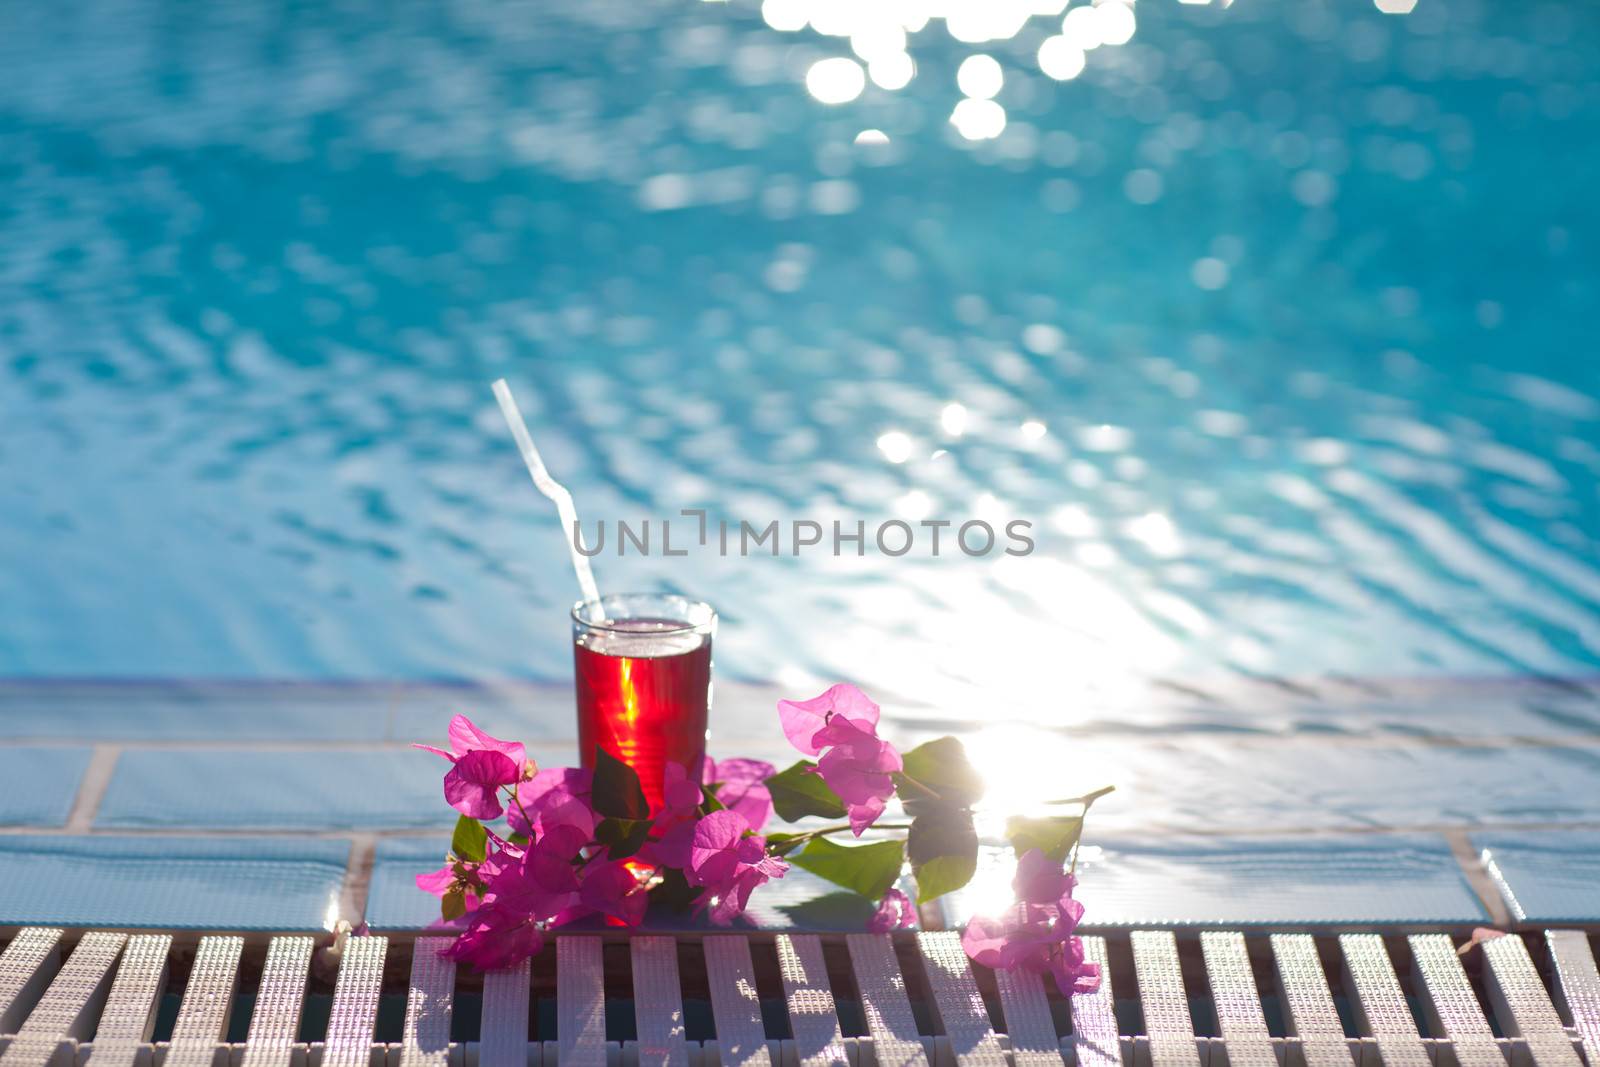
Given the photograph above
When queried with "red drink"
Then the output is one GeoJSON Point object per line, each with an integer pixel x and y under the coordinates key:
{"type": "Point", "coordinates": [643, 666]}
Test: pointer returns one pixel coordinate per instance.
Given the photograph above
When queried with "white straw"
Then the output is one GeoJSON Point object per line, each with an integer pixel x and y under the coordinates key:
{"type": "Point", "coordinates": [548, 486]}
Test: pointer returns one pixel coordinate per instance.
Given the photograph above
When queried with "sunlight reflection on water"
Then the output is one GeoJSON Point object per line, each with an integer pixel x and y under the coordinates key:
{"type": "Point", "coordinates": [1256, 318]}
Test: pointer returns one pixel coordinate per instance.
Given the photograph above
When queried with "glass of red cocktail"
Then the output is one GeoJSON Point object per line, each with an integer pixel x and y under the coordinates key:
{"type": "Point", "coordinates": [643, 664]}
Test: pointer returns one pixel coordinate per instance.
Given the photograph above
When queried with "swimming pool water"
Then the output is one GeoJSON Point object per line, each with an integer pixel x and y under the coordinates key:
{"type": "Point", "coordinates": [1275, 322]}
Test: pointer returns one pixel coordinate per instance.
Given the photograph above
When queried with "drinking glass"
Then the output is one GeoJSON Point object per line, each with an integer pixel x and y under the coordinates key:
{"type": "Point", "coordinates": [643, 666]}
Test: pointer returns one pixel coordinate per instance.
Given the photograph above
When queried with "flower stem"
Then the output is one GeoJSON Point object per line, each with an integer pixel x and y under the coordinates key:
{"type": "Point", "coordinates": [1087, 798]}
{"type": "Point", "coordinates": [511, 791]}
{"type": "Point", "coordinates": [908, 780]}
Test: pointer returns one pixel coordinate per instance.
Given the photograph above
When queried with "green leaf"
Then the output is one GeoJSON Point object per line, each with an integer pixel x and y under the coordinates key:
{"type": "Point", "coordinates": [712, 802]}
{"type": "Point", "coordinates": [1055, 836]}
{"type": "Point", "coordinates": [617, 792]}
{"type": "Point", "coordinates": [781, 844]}
{"type": "Point", "coordinates": [453, 905]}
{"type": "Point", "coordinates": [470, 841]}
{"type": "Point", "coordinates": [798, 792]}
{"type": "Point", "coordinates": [622, 837]}
{"type": "Point", "coordinates": [870, 870]}
{"type": "Point", "coordinates": [942, 766]}
{"type": "Point", "coordinates": [943, 848]}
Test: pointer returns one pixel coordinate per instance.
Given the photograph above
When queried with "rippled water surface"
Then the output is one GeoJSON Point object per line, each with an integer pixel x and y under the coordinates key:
{"type": "Point", "coordinates": [1277, 322]}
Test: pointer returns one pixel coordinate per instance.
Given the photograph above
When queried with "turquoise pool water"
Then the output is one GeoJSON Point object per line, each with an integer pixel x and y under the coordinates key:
{"type": "Point", "coordinates": [1299, 299]}
{"type": "Point", "coordinates": [1276, 322]}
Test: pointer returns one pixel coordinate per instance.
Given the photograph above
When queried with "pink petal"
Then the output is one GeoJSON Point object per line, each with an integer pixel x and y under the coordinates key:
{"type": "Point", "coordinates": [852, 703]}
{"type": "Point", "coordinates": [465, 737]}
{"type": "Point", "coordinates": [501, 856]}
{"type": "Point", "coordinates": [1070, 913]}
{"type": "Point", "coordinates": [741, 785]}
{"type": "Point", "coordinates": [554, 797]}
{"type": "Point", "coordinates": [437, 882]}
{"type": "Point", "coordinates": [680, 794]}
{"type": "Point", "coordinates": [540, 887]}
{"type": "Point", "coordinates": [573, 781]}
{"type": "Point", "coordinates": [857, 772]}
{"type": "Point", "coordinates": [984, 939]}
{"type": "Point", "coordinates": [496, 940]}
{"type": "Point", "coordinates": [610, 888]}
{"type": "Point", "coordinates": [562, 842]}
{"type": "Point", "coordinates": [864, 747]}
{"type": "Point", "coordinates": [894, 912]}
{"type": "Point", "coordinates": [1040, 880]}
{"type": "Point", "coordinates": [843, 730]}
{"type": "Point", "coordinates": [471, 786]}
{"type": "Point", "coordinates": [753, 801]}
{"type": "Point", "coordinates": [713, 854]}
{"type": "Point", "coordinates": [772, 867]}
{"type": "Point", "coordinates": [853, 784]}
{"type": "Point", "coordinates": [559, 808]}
{"type": "Point", "coordinates": [673, 848]}
{"type": "Point", "coordinates": [801, 719]}
{"type": "Point", "coordinates": [740, 772]}
{"type": "Point", "coordinates": [864, 814]}
{"type": "Point", "coordinates": [1074, 974]}
{"type": "Point", "coordinates": [436, 751]}
{"type": "Point", "coordinates": [732, 899]}
{"type": "Point", "coordinates": [751, 850]}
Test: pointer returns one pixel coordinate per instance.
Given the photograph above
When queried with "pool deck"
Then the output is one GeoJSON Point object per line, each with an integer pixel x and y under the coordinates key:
{"type": "Point", "coordinates": [211, 805]}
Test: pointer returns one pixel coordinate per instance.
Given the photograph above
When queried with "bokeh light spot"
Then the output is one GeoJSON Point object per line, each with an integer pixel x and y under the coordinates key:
{"type": "Point", "coordinates": [1060, 58]}
{"type": "Point", "coordinates": [978, 120]}
{"type": "Point", "coordinates": [980, 77]}
{"type": "Point", "coordinates": [835, 81]}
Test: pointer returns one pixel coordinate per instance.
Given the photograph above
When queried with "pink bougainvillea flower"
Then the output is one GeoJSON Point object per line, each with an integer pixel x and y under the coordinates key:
{"type": "Point", "coordinates": [985, 941]}
{"type": "Point", "coordinates": [895, 912]}
{"type": "Point", "coordinates": [680, 792]}
{"type": "Point", "coordinates": [611, 888]}
{"type": "Point", "coordinates": [556, 796]}
{"type": "Point", "coordinates": [741, 787]}
{"type": "Point", "coordinates": [724, 903]}
{"type": "Point", "coordinates": [714, 850]}
{"type": "Point", "coordinates": [1072, 972]}
{"type": "Point", "coordinates": [524, 890]}
{"type": "Point", "coordinates": [1036, 935]}
{"type": "Point", "coordinates": [563, 842]}
{"type": "Point", "coordinates": [730, 863]}
{"type": "Point", "coordinates": [495, 938]}
{"type": "Point", "coordinates": [671, 849]}
{"type": "Point", "coordinates": [455, 875]}
{"type": "Point", "coordinates": [842, 726]}
{"type": "Point", "coordinates": [672, 832]}
{"type": "Point", "coordinates": [480, 765]}
{"type": "Point", "coordinates": [466, 737]}
{"type": "Point", "coordinates": [1040, 880]}
{"type": "Point", "coordinates": [802, 719]}
{"type": "Point", "coordinates": [439, 882]}
{"type": "Point", "coordinates": [857, 766]}
{"type": "Point", "coordinates": [541, 883]}
{"type": "Point", "coordinates": [472, 785]}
